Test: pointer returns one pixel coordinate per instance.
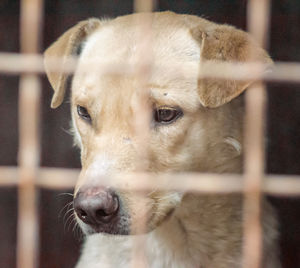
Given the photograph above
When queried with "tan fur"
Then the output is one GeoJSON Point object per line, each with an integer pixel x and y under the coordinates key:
{"type": "Point", "coordinates": [63, 48]}
{"type": "Point", "coordinates": [184, 229]}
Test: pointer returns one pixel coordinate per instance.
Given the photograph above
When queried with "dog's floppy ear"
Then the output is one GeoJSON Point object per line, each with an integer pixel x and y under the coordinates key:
{"type": "Point", "coordinates": [225, 43]}
{"type": "Point", "coordinates": [67, 45]}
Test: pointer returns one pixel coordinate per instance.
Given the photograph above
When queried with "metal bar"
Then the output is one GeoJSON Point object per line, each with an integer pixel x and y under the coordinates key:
{"type": "Point", "coordinates": [144, 5]}
{"type": "Point", "coordinates": [11, 63]}
{"type": "Point", "coordinates": [143, 69]}
{"type": "Point", "coordinates": [29, 142]}
{"type": "Point", "coordinates": [28, 161]}
{"type": "Point", "coordinates": [63, 178]}
{"type": "Point", "coordinates": [258, 18]}
{"type": "Point", "coordinates": [254, 166]}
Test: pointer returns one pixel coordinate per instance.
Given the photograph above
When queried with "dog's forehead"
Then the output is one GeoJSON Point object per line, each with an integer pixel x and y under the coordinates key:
{"type": "Point", "coordinates": [118, 41]}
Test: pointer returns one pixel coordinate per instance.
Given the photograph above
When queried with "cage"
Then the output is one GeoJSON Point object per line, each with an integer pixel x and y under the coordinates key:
{"type": "Point", "coordinates": [39, 165]}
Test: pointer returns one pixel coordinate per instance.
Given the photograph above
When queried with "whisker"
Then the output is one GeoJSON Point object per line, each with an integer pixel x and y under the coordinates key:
{"type": "Point", "coordinates": [77, 232]}
{"type": "Point", "coordinates": [72, 222]}
{"type": "Point", "coordinates": [75, 224]}
{"type": "Point", "coordinates": [71, 210]}
{"type": "Point", "coordinates": [68, 194]}
{"type": "Point", "coordinates": [66, 207]}
{"type": "Point", "coordinates": [67, 131]}
{"type": "Point", "coordinates": [69, 221]}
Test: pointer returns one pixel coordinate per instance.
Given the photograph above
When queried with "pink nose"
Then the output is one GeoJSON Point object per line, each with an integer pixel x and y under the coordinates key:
{"type": "Point", "coordinates": [96, 205]}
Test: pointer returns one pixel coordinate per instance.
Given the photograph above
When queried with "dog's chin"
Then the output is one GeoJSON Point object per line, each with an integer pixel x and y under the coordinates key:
{"type": "Point", "coordinates": [109, 230]}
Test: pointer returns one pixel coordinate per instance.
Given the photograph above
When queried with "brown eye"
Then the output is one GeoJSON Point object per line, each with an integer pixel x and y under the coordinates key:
{"type": "Point", "coordinates": [83, 113]}
{"type": "Point", "coordinates": [166, 115]}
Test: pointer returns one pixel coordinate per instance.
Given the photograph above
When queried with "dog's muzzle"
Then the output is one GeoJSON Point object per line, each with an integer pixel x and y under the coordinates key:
{"type": "Point", "coordinates": [100, 209]}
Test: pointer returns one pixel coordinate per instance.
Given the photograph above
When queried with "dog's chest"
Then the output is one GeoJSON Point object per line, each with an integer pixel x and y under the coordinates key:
{"type": "Point", "coordinates": [107, 251]}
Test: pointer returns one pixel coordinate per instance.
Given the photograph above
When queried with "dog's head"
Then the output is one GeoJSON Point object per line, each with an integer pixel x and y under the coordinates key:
{"type": "Point", "coordinates": [196, 124]}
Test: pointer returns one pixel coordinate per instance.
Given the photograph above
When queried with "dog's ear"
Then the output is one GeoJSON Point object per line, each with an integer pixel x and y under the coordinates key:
{"type": "Point", "coordinates": [66, 46]}
{"type": "Point", "coordinates": [225, 43]}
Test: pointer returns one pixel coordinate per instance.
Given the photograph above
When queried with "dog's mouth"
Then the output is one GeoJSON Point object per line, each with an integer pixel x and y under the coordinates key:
{"type": "Point", "coordinates": [122, 226]}
{"type": "Point", "coordinates": [107, 229]}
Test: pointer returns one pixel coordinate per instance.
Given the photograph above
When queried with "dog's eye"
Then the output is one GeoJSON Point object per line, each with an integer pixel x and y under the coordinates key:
{"type": "Point", "coordinates": [83, 113]}
{"type": "Point", "coordinates": [166, 115]}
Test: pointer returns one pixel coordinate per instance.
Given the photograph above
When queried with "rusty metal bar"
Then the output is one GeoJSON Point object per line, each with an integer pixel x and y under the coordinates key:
{"type": "Point", "coordinates": [144, 5]}
{"type": "Point", "coordinates": [29, 142]}
{"type": "Point", "coordinates": [258, 24]}
{"type": "Point", "coordinates": [143, 69]}
{"type": "Point", "coordinates": [28, 162]}
{"type": "Point", "coordinates": [258, 16]}
{"type": "Point", "coordinates": [11, 63]}
{"type": "Point", "coordinates": [254, 166]}
{"type": "Point", "coordinates": [63, 178]}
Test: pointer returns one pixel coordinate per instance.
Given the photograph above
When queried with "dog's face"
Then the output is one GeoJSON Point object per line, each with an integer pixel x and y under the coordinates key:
{"type": "Point", "coordinates": [192, 128]}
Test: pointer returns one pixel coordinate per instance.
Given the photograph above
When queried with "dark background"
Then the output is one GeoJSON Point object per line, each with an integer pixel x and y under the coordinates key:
{"type": "Point", "coordinates": [59, 244]}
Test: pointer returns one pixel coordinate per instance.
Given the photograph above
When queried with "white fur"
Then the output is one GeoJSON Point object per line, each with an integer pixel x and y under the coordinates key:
{"type": "Point", "coordinates": [100, 167]}
{"type": "Point", "coordinates": [118, 251]}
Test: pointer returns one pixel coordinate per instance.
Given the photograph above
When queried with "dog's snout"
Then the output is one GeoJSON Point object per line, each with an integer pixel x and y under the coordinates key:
{"type": "Point", "coordinates": [96, 206]}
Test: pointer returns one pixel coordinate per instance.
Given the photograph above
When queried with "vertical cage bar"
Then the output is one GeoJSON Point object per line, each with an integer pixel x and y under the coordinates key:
{"type": "Point", "coordinates": [144, 5]}
{"type": "Point", "coordinates": [258, 19]}
{"type": "Point", "coordinates": [29, 146]}
{"type": "Point", "coordinates": [142, 118]}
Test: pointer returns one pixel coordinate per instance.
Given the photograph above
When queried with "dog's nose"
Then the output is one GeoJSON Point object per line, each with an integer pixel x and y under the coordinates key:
{"type": "Point", "coordinates": [96, 205]}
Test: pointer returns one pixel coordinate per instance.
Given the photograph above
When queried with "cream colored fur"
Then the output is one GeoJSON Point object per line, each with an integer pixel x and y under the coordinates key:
{"type": "Point", "coordinates": [183, 229]}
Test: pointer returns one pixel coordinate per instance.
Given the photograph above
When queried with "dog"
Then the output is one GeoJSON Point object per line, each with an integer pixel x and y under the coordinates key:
{"type": "Point", "coordinates": [196, 126]}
